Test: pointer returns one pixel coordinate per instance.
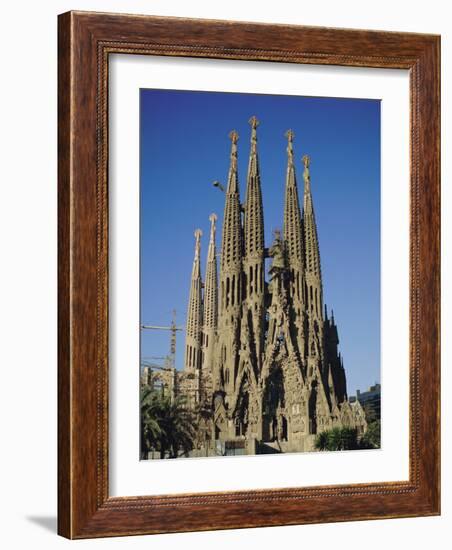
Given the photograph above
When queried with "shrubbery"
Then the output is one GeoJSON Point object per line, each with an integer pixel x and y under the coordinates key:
{"type": "Point", "coordinates": [346, 439]}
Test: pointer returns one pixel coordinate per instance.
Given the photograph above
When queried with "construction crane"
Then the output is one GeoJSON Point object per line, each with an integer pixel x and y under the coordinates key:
{"type": "Point", "coordinates": [171, 359]}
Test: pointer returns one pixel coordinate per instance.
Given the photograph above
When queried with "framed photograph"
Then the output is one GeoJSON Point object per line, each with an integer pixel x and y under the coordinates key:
{"type": "Point", "coordinates": [248, 275]}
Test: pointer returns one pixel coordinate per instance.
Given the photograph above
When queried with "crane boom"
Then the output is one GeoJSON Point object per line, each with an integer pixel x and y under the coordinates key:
{"type": "Point", "coordinates": [173, 329]}
{"type": "Point", "coordinates": [157, 327]}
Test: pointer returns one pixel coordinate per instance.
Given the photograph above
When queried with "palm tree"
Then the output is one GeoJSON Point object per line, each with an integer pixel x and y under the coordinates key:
{"type": "Point", "coordinates": [321, 441]}
{"type": "Point", "coordinates": [337, 439]}
{"type": "Point", "coordinates": [151, 431]}
{"type": "Point", "coordinates": [348, 439]}
{"type": "Point", "coordinates": [178, 425]}
{"type": "Point", "coordinates": [167, 425]}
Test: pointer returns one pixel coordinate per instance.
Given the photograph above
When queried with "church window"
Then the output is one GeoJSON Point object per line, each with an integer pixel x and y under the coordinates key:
{"type": "Point", "coordinates": [237, 427]}
{"type": "Point", "coordinates": [233, 290]}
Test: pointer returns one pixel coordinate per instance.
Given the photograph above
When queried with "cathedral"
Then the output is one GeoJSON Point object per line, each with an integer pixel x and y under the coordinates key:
{"type": "Point", "coordinates": [261, 351]}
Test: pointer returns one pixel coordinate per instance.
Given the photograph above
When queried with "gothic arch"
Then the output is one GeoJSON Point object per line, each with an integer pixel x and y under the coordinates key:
{"type": "Point", "coordinates": [273, 399]}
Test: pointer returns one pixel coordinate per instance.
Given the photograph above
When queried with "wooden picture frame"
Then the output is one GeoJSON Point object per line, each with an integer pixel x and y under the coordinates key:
{"type": "Point", "coordinates": [85, 42]}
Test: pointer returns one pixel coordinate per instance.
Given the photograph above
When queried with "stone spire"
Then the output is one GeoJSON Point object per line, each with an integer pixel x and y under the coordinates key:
{"type": "Point", "coordinates": [231, 248]}
{"type": "Point", "coordinates": [210, 299]}
{"type": "Point", "coordinates": [312, 254]}
{"type": "Point", "coordinates": [226, 351]}
{"type": "Point", "coordinates": [254, 212]}
{"type": "Point", "coordinates": [253, 265]}
{"type": "Point", "coordinates": [293, 233]}
{"type": "Point", "coordinates": [316, 364]}
{"type": "Point", "coordinates": [194, 313]}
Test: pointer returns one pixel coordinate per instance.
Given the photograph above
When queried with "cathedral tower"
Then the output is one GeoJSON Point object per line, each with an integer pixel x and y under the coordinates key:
{"type": "Point", "coordinates": [193, 352]}
{"type": "Point", "coordinates": [314, 288]}
{"type": "Point", "coordinates": [254, 248]}
{"type": "Point", "coordinates": [230, 279]}
{"type": "Point", "coordinates": [261, 354]}
{"type": "Point", "coordinates": [313, 269]}
{"type": "Point", "coordinates": [294, 243]}
{"type": "Point", "coordinates": [210, 301]}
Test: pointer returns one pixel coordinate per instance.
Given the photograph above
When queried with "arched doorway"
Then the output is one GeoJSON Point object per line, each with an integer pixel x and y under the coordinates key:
{"type": "Point", "coordinates": [273, 401]}
{"type": "Point", "coordinates": [284, 428]}
{"type": "Point", "coordinates": [313, 410]}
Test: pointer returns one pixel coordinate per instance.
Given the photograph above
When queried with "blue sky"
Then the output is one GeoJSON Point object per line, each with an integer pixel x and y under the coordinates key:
{"type": "Point", "coordinates": [184, 147]}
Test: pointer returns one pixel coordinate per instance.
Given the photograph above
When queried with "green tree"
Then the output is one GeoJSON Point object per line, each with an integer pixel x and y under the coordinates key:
{"type": "Point", "coordinates": [337, 439]}
{"type": "Point", "coordinates": [167, 425]}
{"type": "Point", "coordinates": [178, 426]}
{"type": "Point", "coordinates": [321, 441]}
{"type": "Point", "coordinates": [151, 432]}
{"type": "Point", "coordinates": [371, 439]}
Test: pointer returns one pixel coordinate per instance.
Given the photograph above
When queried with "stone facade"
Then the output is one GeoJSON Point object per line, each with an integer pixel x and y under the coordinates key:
{"type": "Point", "coordinates": [261, 352]}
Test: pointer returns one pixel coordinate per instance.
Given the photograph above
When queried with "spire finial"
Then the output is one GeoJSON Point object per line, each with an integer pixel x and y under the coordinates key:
{"type": "Point", "coordinates": [198, 235]}
{"type": "Point", "coordinates": [213, 220]}
{"type": "Point", "coordinates": [234, 137]}
{"type": "Point", "coordinates": [306, 162]}
{"type": "Point", "coordinates": [290, 137]}
{"type": "Point", "coordinates": [254, 124]}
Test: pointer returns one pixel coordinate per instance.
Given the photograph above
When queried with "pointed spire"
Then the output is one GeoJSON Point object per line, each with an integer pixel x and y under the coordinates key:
{"type": "Point", "coordinates": [231, 249]}
{"type": "Point", "coordinates": [254, 122]}
{"type": "Point", "coordinates": [213, 229]}
{"type": "Point", "coordinates": [310, 227]}
{"type": "Point", "coordinates": [198, 235]}
{"type": "Point", "coordinates": [292, 230]}
{"type": "Point", "coordinates": [211, 286]}
{"type": "Point", "coordinates": [326, 313]}
{"type": "Point", "coordinates": [233, 183]}
{"type": "Point", "coordinates": [254, 257]}
{"type": "Point", "coordinates": [254, 212]}
{"type": "Point", "coordinates": [306, 163]}
{"type": "Point", "coordinates": [210, 321]}
{"type": "Point", "coordinates": [194, 313]}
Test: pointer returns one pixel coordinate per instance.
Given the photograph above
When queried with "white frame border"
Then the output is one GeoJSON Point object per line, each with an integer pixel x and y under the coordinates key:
{"type": "Point", "coordinates": [128, 475]}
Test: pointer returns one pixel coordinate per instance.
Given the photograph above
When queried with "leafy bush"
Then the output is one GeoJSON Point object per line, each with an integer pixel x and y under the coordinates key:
{"type": "Point", "coordinates": [337, 439]}
{"type": "Point", "coordinates": [346, 439]}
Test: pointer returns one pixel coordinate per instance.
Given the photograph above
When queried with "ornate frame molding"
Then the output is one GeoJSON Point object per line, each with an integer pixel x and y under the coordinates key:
{"type": "Point", "coordinates": [85, 42]}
